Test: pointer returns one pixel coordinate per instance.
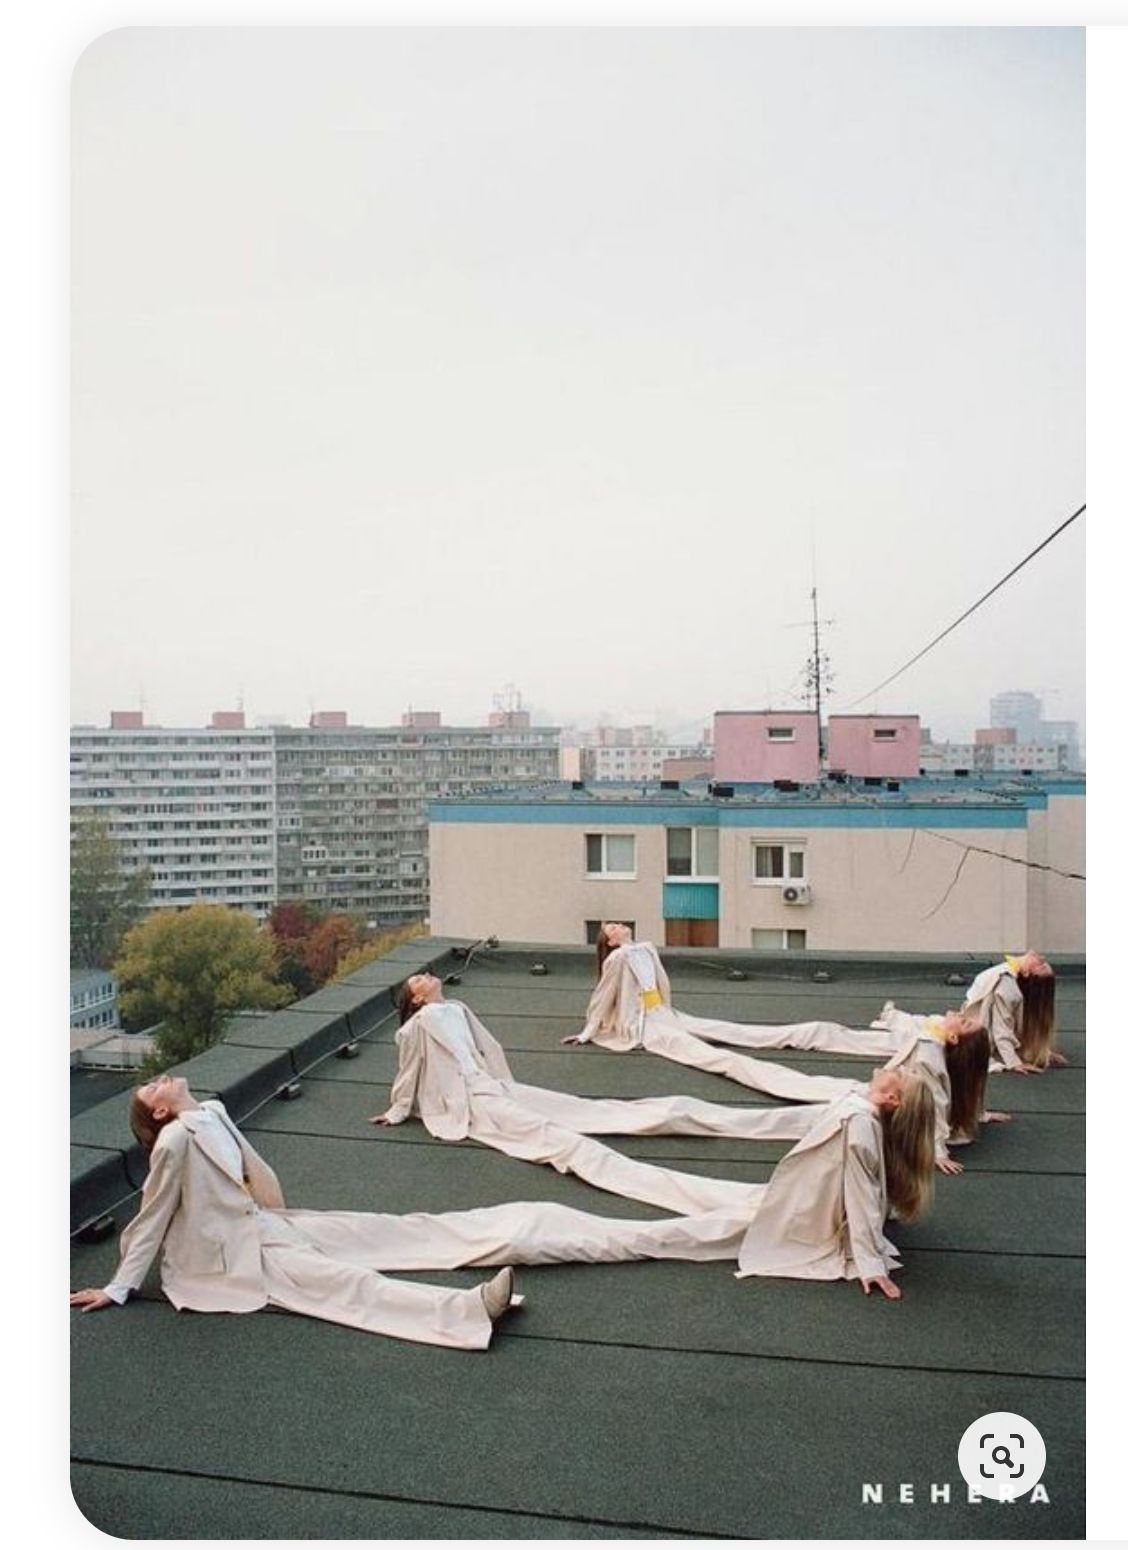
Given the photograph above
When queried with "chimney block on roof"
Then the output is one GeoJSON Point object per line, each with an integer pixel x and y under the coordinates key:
{"type": "Point", "coordinates": [228, 720]}
{"type": "Point", "coordinates": [126, 720]}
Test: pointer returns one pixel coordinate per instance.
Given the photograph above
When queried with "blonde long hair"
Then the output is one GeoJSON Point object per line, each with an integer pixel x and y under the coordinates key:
{"type": "Point", "coordinates": [908, 1133]}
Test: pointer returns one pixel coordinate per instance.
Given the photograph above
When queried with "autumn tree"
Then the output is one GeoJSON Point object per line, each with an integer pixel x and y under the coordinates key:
{"type": "Point", "coordinates": [291, 924]}
{"type": "Point", "coordinates": [376, 947]}
{"type": "Point", "coordinates": [105, 900]}
{"type": "Point", "coordinates": [327, 944]}
{"type": "Point", "coordinates": [189, 970]}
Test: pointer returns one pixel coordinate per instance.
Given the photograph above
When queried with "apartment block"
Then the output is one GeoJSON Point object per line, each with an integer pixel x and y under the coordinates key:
{"type": "Point", "coordinates": [855, 864]}
{"type": "Point", "coordinates": [352, 806]}
{"type": "Point", "coordinates": [195, 806]}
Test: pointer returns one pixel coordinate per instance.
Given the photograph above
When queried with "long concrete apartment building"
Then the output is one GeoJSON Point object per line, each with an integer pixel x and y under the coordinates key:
{"type": "Point", "coordinates": [331, 813]}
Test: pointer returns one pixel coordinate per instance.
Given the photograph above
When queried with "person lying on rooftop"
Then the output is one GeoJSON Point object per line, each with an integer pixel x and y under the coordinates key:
{"type": "Point", "coordinates": [455, 1076]}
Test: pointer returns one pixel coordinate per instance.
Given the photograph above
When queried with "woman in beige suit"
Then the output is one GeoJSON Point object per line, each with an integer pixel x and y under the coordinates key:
{"type": "Point", "coordinates": [214, 1209]}
{"type": "Point", "coordinates": [867, 1155]}
{"type": "Point", "coordinates": [453, 1073]}
{"type": "Point", "coordinates": [1015, 1000]}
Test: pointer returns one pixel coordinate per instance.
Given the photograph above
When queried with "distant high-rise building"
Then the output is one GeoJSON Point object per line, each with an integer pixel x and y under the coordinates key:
{"type": "Point", "coordinates": [1020, 709]}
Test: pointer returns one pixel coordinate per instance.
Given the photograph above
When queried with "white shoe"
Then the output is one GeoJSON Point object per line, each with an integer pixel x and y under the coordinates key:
{"type": "Point", "coordinates": [497, 1293]}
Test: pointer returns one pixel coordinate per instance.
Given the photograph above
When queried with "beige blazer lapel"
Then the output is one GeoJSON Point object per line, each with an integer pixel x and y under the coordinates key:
{"type": "Point", "coordinates": [205, 1139]}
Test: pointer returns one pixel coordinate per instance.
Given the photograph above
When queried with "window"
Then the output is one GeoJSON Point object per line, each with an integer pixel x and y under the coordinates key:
{"type": "Point", "coordinates": [610, 855]}
{"type": "Point", "coordinates": [885, 734]}
{"type": "Point", "coordinates": [692, 853]}
{"type": "Point", "coordinates": [772, 940]}
{"type": "Point", "coordinates": [779, 863]}
{"type": "Point", "coordinates": [781, 734]}
{"type": "Point", "coordinates": [592, 929]}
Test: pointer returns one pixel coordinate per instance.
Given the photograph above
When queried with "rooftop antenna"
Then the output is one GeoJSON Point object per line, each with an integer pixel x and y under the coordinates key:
{"type": "Point", "coordinates": [816, 672]}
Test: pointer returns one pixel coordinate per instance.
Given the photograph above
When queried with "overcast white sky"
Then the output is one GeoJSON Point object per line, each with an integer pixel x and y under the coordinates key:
{"type": "Point", "coordinates": [409, 364]}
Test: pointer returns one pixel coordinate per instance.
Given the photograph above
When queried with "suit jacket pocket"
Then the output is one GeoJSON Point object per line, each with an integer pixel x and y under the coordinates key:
{"type": "Point", "coordinates": [203, 1257]}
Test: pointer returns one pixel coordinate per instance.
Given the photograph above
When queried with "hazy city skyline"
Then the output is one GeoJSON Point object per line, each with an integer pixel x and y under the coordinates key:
{"type": "Point", "coordinates": [412, 363]}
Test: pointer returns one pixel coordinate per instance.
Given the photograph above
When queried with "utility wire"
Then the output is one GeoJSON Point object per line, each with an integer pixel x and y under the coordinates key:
{"type": "Point", "coordinates": [969, 611]}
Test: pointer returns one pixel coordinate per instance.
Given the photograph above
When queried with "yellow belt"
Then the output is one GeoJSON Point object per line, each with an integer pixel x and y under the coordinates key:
{"type": "Point", "coordinates": [651, 999]}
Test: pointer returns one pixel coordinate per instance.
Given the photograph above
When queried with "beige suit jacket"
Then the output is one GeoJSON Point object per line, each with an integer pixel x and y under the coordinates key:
{"type": "Point", "coordinates": [823, 1214]}
{"type": "Point", "coordinates": [614, 1013]}
{"type": "Point", "coordinates": [430, 1081]}
{"type": "Point", "coordinates": [202, 1218]}
{"type": "Point", "coordinates": [994, 997]}
{"type": "Point", "coordinates": [924, 1054]}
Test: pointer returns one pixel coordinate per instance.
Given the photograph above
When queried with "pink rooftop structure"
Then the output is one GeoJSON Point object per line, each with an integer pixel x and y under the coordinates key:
{"type": "Point", "coordinates": [765, 745]}
{"type": "Point", "coordinates": [770, 745]}
{"type": "Point", "coordinates": [886, 746]}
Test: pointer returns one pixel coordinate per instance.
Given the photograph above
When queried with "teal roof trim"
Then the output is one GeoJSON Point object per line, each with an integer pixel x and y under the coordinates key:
{"type": "Point", "coordinates": [598, 816]}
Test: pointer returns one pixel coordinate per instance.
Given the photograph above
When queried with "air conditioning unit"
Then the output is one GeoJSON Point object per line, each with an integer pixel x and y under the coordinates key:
{"type": "Point", "coordinates": [795, 893]}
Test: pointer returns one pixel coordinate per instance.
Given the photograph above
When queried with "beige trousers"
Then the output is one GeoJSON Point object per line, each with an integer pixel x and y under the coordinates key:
{"type": "Point", "coordinates": [518, 1233]}
{"type": "Point", "coordinates": [304, 1276]}
{"type": "Point", "coordinates": [675, 1036]}
{"type": "Point", "coordinates": [833, 1037]}
{"type": "Point", "coordinates": [522, 1127]}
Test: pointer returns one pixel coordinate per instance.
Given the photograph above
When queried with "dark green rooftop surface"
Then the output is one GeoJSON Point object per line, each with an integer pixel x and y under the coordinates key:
{"type": "Point", "coordinates": [625, 1401]}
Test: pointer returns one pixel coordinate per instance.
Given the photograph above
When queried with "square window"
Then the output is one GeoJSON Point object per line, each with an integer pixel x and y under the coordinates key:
{"type": "Point", "coordinates": [779, 863]}
{"type": "Point", "coordinates": [610, 855]}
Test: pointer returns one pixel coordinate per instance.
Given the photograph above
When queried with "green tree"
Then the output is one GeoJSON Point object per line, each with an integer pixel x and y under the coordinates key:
{"type": "Point", "coordinates": [104, 900]}
{"type": "Point", "coordinates": [189, 970]}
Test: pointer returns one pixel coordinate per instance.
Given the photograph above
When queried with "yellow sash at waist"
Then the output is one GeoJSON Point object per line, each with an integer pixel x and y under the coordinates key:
{"type": "Point", "coordinates": [651, 999]}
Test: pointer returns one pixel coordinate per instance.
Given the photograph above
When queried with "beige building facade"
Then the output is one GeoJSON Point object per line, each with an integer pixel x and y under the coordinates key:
{"type": "Point", "coordinates": [830, 870]}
